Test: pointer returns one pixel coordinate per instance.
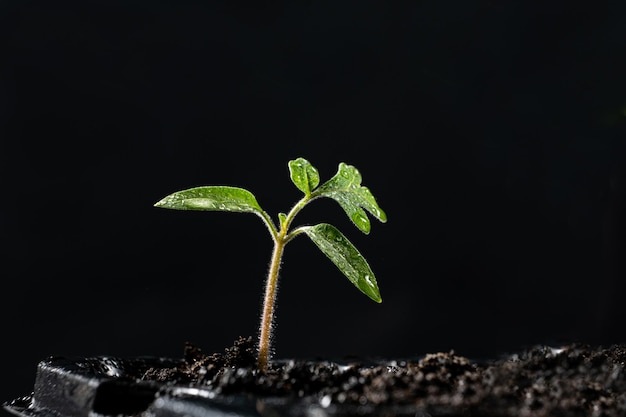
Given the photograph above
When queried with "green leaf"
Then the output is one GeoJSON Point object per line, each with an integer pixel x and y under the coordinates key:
{"type": "Point", "coordinates": [304, 175]}
{"type": "Point", "coordinates": [345, 256]}
{"type": "Point", "coordinates": [282, 218]}
{"type": "Point", "coordinates": [345, 188]}
{"type": "Point", "coordinates": [212, 198]}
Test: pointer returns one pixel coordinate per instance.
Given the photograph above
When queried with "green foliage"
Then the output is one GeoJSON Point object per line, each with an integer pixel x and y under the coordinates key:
{"type": "Point", "coordinates": [347, 258]}
{"type": "Point", "coordinates": [212, 199]}
{"type": "Point", "coordinates": [344, 187]}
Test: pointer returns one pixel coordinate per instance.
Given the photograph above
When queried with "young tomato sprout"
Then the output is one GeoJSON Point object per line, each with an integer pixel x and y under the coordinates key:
{"type": "Point", "coordinates": [344, 187]}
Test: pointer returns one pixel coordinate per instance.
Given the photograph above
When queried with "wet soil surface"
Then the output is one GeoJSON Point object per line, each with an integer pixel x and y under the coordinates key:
{"type": "Point", "coordinates": [569, 381]}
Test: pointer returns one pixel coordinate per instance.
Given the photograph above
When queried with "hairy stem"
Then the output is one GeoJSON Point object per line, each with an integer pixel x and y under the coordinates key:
{"type": "Point", "coordinates": [269, 302]}
{"type": "Point", "coordinates": [271, 285]}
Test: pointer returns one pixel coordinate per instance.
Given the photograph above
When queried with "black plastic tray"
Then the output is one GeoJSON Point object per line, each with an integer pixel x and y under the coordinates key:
{"type": "Point", "coordinates": [88, 387]}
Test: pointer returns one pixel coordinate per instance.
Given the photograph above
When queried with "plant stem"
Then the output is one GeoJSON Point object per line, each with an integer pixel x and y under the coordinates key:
{"type": "Point", "coordinates": [268, 304]}
{"type": "Point", "coordinates": [281, 237]}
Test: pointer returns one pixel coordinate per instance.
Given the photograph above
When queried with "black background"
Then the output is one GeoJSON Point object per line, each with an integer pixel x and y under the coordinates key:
{"type": "Point", "coordinates": [492, 134]}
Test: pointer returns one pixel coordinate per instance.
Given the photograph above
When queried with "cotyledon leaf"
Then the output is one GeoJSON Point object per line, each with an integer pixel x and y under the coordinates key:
{"type": "Point", "coordinates": [212, 198]}
{"type": "Point", "coordinates": [345, 256]}
{"type": "Point", "coordinates": [345, 188]}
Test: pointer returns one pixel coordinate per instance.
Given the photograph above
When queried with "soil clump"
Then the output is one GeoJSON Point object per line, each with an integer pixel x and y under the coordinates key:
{"type": "Point", "coordinates": [569, 381]}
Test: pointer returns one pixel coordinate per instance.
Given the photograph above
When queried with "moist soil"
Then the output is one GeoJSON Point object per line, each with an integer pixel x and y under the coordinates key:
{"type": "Point", "coordinates": [568, 381]}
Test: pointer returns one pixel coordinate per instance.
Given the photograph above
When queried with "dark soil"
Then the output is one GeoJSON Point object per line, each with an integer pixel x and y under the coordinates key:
{"type": "Point", "coordinates": [573, 380]}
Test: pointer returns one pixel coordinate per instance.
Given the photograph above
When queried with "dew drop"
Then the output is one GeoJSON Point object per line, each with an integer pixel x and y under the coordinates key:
{"type": "Point", "coordinates": [368, 278]}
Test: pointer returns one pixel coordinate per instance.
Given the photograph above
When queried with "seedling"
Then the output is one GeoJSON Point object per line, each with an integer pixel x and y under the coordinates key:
{"type": "Point", "coordinates": [345, 188]}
